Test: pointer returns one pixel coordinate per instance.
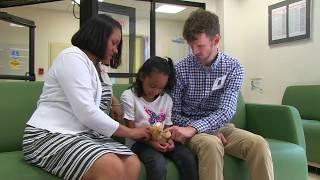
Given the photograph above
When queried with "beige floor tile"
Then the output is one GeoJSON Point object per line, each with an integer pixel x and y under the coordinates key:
{"type": "Point", "coordinates": [314, 176]}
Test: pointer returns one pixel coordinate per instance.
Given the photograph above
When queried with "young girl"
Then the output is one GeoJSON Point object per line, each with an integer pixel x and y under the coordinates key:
{"type": "Point", "coordinates": [147, 103]}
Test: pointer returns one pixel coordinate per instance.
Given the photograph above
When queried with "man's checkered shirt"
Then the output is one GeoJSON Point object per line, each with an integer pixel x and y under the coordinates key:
{"type": "Point", "coordinates": [206, 97]}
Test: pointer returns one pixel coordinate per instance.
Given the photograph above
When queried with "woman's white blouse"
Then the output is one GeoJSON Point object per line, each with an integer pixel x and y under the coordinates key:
{"type": "Point", "coordinates": [71, 96]}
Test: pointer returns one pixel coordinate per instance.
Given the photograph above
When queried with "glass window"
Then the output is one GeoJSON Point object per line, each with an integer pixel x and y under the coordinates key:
{"type": "Point", "coordinates": [169, 26]}
{"type": "Point", "coordinates": [14, 49]}
{"type": "Point", "coordinates": [140, 35]}
{"type": "Point", "coordinates": [55, 23]}
{"type": "Point", "coordinates": [134, 16]}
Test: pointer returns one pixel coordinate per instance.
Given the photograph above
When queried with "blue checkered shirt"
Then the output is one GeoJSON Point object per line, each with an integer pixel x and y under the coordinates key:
{"type": "Point", "coordinates": [206, 97]}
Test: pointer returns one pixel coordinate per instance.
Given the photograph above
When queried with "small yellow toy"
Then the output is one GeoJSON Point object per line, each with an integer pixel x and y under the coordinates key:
{"type": "Point", "coordinates": [158, 134]}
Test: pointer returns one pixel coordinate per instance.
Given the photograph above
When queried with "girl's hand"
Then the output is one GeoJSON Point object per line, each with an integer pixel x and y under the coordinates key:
{"type": "Point", "coordinates": [140, 133]}
{"type": "Point", "coordinates": [159, 147]}
{"type": "Point", "coordinates": [171, 145]}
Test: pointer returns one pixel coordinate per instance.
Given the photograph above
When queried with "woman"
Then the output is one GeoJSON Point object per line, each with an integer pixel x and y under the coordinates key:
{"type": "Point", "coordinates": [68, 135]}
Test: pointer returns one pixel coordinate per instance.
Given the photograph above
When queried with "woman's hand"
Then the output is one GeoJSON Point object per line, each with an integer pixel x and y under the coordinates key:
{"type": "Point", "coordinates": [140, 133]}
{"type": "Point", "coordinates": [116, 110]}
{"type": "Point", "coordinates": [117, 113]}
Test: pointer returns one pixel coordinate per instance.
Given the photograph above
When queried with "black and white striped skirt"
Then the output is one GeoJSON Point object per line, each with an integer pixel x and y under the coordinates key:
{"type": "Point", "coordinates": [68, 156]}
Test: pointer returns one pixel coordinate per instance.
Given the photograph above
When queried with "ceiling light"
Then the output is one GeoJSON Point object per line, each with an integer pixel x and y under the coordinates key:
{"type": "Point", "coordinates": [78, 1]}
{"type": "Point", "coordinates": [170, 9]}
{"type": "Point", "coordinates": [15, 25]}
{"type": "Point", "coordinates": [75, 1]}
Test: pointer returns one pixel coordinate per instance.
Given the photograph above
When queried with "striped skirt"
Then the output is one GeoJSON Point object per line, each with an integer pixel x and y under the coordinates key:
{"type": "Point", "coordinates": [67, 156]}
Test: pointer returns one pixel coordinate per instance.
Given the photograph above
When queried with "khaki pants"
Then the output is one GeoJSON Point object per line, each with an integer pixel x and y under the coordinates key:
{"type": "Point", "coordinates": [241, 144]}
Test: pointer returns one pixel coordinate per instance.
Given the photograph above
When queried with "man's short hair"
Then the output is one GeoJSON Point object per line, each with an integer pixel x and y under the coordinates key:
{"type": "Point", "coordinates": [201, 21]}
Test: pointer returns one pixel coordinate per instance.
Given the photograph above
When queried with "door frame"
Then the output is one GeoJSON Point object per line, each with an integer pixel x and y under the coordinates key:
{"type": "Point", "coordinates": [131, 13]}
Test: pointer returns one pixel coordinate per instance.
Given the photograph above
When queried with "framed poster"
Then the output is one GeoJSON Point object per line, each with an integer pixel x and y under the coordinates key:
{"type": "Point", "coordinates": [289, 21]}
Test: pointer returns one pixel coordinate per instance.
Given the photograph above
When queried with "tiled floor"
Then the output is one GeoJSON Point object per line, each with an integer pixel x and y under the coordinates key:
{"type": "Point", "coordinates": [313, 176]}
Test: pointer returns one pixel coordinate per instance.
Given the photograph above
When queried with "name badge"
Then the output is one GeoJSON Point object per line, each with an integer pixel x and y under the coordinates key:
{"type": "Point", "coordinates": [219, 82]}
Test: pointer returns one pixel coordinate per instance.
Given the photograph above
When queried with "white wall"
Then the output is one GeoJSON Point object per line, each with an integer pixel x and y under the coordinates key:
{"type": "Point", "coordinates": [246, 37]}
{"type": "Point", "coordinates": [233, 31]}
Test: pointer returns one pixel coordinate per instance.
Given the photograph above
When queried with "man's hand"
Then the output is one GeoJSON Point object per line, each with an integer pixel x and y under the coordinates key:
{"type": "Point", "coordinates": [180, 134]}
{"type": "Point", "coordinates": [221, 137]}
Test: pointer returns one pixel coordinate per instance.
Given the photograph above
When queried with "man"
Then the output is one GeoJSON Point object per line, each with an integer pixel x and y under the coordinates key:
{"type": "Point", "coordinates": [205, 100]}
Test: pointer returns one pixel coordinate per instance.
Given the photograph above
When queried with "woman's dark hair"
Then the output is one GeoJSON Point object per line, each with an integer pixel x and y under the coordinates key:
{"type": "Point", "coordinates": [155, 64]}
{"type": "Point", "coordinates": [93, 36]}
